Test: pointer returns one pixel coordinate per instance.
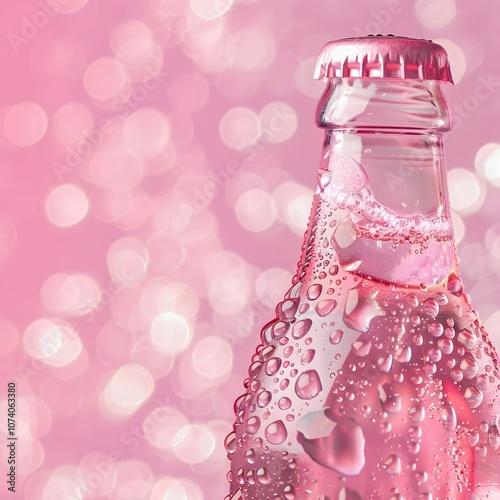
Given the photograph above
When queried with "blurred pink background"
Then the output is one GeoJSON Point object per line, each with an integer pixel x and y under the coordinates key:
{"type": "Point", "coordinates": [157, 165]}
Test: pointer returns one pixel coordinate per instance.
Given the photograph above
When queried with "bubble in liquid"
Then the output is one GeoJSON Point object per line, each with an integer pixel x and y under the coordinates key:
{"type": "Point", "coordinates": [342, 450]}
{"type": "Point", "coordinates": [276, 432]}
{"type": "Point", "coordinates": [308, 385]}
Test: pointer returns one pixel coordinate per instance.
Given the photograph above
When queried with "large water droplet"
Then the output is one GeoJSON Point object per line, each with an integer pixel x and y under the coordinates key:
{"type": "Point", "coordinates": [417, 413]}
{"type": "Point", "coordinates": [276, 432]}
{"type": "Point", "coordinates": [384, 363]}
{"type": "Point", "coordinates": [284, 403]}
{"type": "Point", "coordinates": [279, 329]}
{"type": "Point", "coordinates": [360, 309]}
{"type": "Point", "coordinates": [494, 436]}
{"type": "Point", "coordinates": [347, 494]}
{"type": "Point", "coordinates": [403, 354]}
{"type": "Point", "coordinates": [455, 285]}
{"type": "Point", "coordinates": [308, 385]}
{"type": "Point", "coordinates": [264, 398]}
{"type": "Point", "coordinates": [435, 329]}
{"type": "Point", "coordinates": [325, 307]}
{"type": "Point", "coordinates": [286, 310]}
{"type": "Point", "coordinates": [467, 338]}
{"type": "Point", "coordinates": [263, 475]}
{"type": "Point", "coordinates": [314, 291]}
{"type": "Point", "coordinates": [449, 417]}
{"type": "Point", "coordinates": [360, 348]}
{"type": "Point", "coordinates": [253, 425]}
{"type": "Point", "coordinates": [431, 307]}
{"type": "Point", "coordinates": [411, 300]}
{"type": "Point", "coordinates": [308, 356]}
{"type": "Point", "coordinates": [272, 366]}
{"type": "Point", "coordinates": [342, 450]}
{"type": "Point", "coordinates": [230, 443]}
{"type": "Point", "coordinates": [469, 367]}
{"type": "Point", "coordinates": [392, 465]}
{"type": "Point", "coordinates": [446, 346]}
{"type": "Point", "coordinates": [389, 398]}
{"type": "Point", "coordinates": [301, 328]}
{"type": "Point", "coordinates": [473, 396]}
{"type": "Point", "coordinates": [336, 336]}
{"type": "Point", "coordinates": [250, 456]}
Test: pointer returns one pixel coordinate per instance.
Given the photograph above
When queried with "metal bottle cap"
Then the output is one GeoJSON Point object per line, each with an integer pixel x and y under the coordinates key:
{"type": "Point", "coordinates": [383, 57]}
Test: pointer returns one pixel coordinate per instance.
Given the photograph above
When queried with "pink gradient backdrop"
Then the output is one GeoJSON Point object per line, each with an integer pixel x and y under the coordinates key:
{"type": "Point", "coordinates": [157, 165]}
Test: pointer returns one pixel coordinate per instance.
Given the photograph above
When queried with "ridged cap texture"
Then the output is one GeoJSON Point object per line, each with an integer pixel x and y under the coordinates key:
{"type": "Point", "coordinates": [379, 56]}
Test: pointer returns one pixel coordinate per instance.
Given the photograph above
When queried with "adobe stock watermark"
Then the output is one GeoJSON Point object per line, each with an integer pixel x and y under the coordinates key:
{"type": "Point", "coordinates": [31, 26]}
{"type": "Point", "coordinates": [380, 19]}
{"type": "Point", "coordinates": [93, 138]}
{"type": "Point", "coordinates": [484, 89]}
{"type": "Point", "coordinates": [202, 198]}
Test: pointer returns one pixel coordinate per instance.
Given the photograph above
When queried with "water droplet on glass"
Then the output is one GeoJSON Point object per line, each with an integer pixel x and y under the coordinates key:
{"type": "Point", "coordinates": [250, 456]}
{"type": "Point", "coordinates": [325, 307]}
{"type": "Point", "coordinates": [360, 310]}
{"type": "Point", "coordinates": [384, 363]}
{"type": "Point", "coordinates": [333, 270]}
{"type": "Point", "coordinates": [276, 432]}
{"type": "Point", "coordinates": [455, 285]}
{"type": "Point", "coordinates": [286, 310]}
{"type": "Point", "coordinates": [389, 398]}
{"type": "Point", "coordinates": [431, 307]}
{"type": "Point", "coordinates": [411, 300]}
{"type": "Point", "coordinates": [342, 450]}
{"type": "Point", "coordinates": [449, 417]}
{"type": "Point", "coordinates": [446, 346]}
{"type": "Point", "coordinates": [230, 443]}
{"type": "Point", "coordinates": [469, 367]}
{"type": "Point", "coordinates": [473, 396]}
{"type": "Point", "coordinates": [263, 475]}
{"type": "Point", "coordinates": [435, 329]}
{"type": "Point", "coordinates": [417, 413]}
{"type": "Point", "coordinates": [403, 354]}
{"type": "Point", "coordinates": [361, 348]}
{"type": "Point", "coordinates": [467, 338]}
{"type": "Point", "coordinates": [284, 403]}
{"type": "Point", "coordinates": [494, 437]}
{"type": "Point", "coordinates": [264, 398]}
{"type": "Point", "coordinates": [272, 366]}
{"type": "Point", "coordinates": [336, 336]}
{"type": "Point", "coordinates": [253, 425]}
{"type": "Point", "coordinates": [314, 291]}
{"type": "Point", "coordinates": [279, 329]}
{"type": "Point", "coordinates": [392, 465]}
{"type": "Point", "coordinates": [308, 385]}
{"type": "Point", "coordinates": [308, 356]}
{"type": "Point", "coordinates": [301, 328]}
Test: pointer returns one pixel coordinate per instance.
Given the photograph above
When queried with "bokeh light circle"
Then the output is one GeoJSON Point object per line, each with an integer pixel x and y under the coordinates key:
{"type": "Point", "coordinates": [255, 210]}
{"type": "Point", "coordinates": [176, 489]}
{"type": "Point", "coordinates": [435, 14]}
{"type": "Point", "coordinates": [25, 123]}
{"type": "Point", "coordinates": [466, 191]}
{"type": "Point", "coordinates": [127, 390]}
{"type": "Point", "coordinates": [170, 332]}
{"type": "Point", "coordinates": [239, 128]}
{"type": "Point", "coordinates": [104, 79]}
{"type": "Point", "coordinates": [212, 357]}
{"type": "Point", "coordinates": [66, 205]}
{"type": "Point", "coordinates": [193, 444]}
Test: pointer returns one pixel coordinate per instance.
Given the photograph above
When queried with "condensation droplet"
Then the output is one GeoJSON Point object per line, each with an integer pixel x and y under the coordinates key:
{"type": "Point", "coordinates": [314, 291]}
{"type": "Point", "coordinates": [308, 385]}
{"type": "Point", "coordinates": [301, 328]}
{"type": "Point", "coordinates": [276, 432]}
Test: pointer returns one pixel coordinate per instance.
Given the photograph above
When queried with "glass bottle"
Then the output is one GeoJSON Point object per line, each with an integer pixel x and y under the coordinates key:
{"type": "Point", "coordinates": [376, 380]}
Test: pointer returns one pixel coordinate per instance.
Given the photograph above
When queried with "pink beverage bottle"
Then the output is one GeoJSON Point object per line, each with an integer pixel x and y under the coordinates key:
{"type": "Point", "coordinates": [376, 380]}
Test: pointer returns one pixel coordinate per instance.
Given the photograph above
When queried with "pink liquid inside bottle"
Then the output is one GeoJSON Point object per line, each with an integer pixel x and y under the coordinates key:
{"type": "Point", "coordinates": [376, 380]}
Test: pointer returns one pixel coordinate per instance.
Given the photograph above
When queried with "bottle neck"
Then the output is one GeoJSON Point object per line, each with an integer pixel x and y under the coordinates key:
{"type": "Point", "coordinates": [382, 202]}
